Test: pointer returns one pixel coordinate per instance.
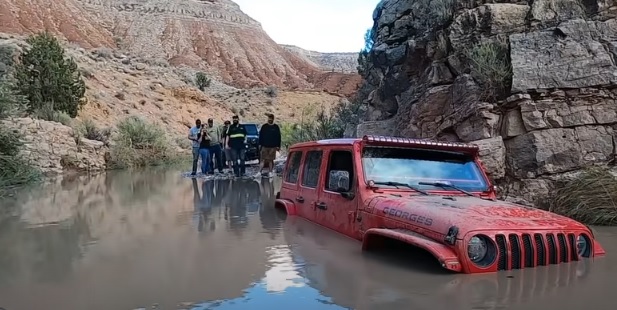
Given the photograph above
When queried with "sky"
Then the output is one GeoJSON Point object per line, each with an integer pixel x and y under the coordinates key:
{"type": "Point", "coordinates": [318, 25]}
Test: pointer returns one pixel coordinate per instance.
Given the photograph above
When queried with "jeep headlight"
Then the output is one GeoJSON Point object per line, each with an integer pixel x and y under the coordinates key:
{"type": "Point", "coordinates": [477, 249]}
{"type": "Point", "coordinates": [481, 250]}
{"type": "Point", "coordinates": [582, 246]}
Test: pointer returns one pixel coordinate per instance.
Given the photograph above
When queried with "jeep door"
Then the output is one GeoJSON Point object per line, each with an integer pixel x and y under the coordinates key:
{"type": "Point", "coordinates": [312, 175]}
{"type": "Point", "coordinates": [338, 201]}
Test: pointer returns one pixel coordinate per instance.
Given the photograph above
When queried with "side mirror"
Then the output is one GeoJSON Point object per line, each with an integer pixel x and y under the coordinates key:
{"type": "Point", "coordinates": [339, 182]}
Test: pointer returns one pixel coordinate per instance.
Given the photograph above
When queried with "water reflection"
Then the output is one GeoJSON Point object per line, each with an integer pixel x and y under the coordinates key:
{"type": "Point", "coordinates": [128, 240]}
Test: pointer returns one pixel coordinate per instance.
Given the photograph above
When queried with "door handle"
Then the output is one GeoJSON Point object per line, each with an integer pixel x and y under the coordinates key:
{"type": "Point", "coordinates": [300, 199]}
{"type": "Point", "coordinates": [322, 206]}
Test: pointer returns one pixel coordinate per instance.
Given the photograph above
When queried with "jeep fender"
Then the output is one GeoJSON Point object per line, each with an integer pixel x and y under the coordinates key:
{"type": "Point", "coordinates": [445, 255]}
{"type": "Point", "coordinates": [289, 206]}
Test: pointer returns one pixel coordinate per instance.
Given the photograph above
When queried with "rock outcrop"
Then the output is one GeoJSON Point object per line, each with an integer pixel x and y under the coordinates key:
{"type": "Point", "coordinates": [334, 62]}
{"type": "Point", "coordinates": [212, 36]}
{"type": "Point", "coordinates": [557, 111]}
{"type": "Point", "coordinates": [55, 148]}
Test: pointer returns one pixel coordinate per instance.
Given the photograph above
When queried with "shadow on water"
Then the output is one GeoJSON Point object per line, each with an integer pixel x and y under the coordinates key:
{"type": "Point", "coordinates": [152, 239]}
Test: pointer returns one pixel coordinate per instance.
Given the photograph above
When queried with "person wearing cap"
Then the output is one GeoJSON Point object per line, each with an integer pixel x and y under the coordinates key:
{"type": "Point", "coordinates": [226, 151]}
{"type": "Point", "coordinates": [215, 150]}
{"type": "Point", "coordinates": [269, 143]}
{"type": "Point", "coordinates": [234, 141]}
{"type": "Point", "coordinates": [194, 137]}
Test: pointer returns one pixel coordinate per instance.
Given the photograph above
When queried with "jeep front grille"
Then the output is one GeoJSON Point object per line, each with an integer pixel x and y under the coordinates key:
{"type": "Point", "coordinates": [530, 250]}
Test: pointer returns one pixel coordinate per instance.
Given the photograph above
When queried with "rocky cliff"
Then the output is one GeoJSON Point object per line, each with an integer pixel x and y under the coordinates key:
{"type": "Point", "coordinates": [532, 82]}
{"type": "Point", "coordinates": [334, 62]}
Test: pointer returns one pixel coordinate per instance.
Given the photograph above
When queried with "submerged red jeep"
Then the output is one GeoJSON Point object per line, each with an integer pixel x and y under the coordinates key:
{"type": "Point", "coordinates": [432, 195]}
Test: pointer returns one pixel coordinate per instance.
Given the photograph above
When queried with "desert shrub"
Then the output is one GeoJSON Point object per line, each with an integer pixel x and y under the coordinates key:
{"type": "Point", "coordinates": [11, 103]}
{"type": "Point", "coordinates": [48, 78]}
{"type": "Point", "coordinates": [441, 11]}
{"type": "Point", "coordinates": [48, 113]}
{"type": "Point", "coordinates": [490, 65]}
{"type": "Point", "coordinates": [272, 91]}
{"type": "Point", "coordinates": [202, 81]}
{"type": "Point", "coordinates": [323, 126]}
{"type": "Point", "coordinates": [88, 129]}
{"type": "Point", "coordinates": [591, 198]}
{"type": "Point", "coordinates": [7, 61]}
{"type": "Point", "coordinates": [140, 143]}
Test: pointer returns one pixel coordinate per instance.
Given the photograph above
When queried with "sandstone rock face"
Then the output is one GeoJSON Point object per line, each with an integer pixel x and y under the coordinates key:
{"type": "Point", "coordinates": [53, 148]}
{"type": "Point", "coordinates": [213, 36]}
{"type": "Point", "coordinates": [63, 17]}
{"type": "Point", "coordinates": [561, 112]}
{"type": "Point", "coordinates": [335, 62]}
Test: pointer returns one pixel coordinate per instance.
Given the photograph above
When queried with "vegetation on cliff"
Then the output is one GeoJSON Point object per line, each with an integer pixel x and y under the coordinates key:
{"type": "Point", "coordinates": [590, 198]}
{"type": "Point", "coordinates": [49, 79]}
{"type": "Point", "coordinates": [14, 170]}
{"type": "Point", "coordinates": [490, 66]}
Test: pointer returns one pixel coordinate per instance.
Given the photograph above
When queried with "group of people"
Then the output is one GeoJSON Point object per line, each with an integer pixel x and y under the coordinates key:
{"type": "Point", "coordinates": [224, 147]}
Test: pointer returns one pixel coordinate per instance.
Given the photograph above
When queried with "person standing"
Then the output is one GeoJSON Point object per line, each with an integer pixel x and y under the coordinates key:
{"type": "Point", "coordinates": [204, 150]}
{"type": "Point", "coordinates": [234, 141]}
{"type": "Point", "coordinates": [226, 151]}
{"type": "Point", "coordinates": [269, 143]}
{"type": "Point", "coordinates": [194, 137]}
{"type": "Point", "coordinates": [216, 149]}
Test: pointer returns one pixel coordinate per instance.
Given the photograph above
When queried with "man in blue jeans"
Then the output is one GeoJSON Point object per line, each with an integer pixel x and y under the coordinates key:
{"type": "Point", "coordinates": [204, 150]}
{"type": "Point", "coordinates": [194, 137]}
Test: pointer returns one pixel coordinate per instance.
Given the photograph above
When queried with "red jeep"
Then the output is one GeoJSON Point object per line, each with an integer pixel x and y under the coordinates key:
{"type": "Point", "coordinates": [432, 195]}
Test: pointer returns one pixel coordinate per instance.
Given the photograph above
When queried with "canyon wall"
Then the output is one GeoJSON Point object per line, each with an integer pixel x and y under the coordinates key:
{"type": "Point", "coordinates": [556, 112]}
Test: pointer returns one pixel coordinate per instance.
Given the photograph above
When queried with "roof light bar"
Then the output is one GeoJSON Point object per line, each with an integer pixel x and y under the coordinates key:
{"type": "Point", "coordinates": [407, 141]}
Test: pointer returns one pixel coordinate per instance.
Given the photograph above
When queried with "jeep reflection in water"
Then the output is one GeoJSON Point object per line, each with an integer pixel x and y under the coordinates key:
{"type": "Point", "coordinates": [432, 195]}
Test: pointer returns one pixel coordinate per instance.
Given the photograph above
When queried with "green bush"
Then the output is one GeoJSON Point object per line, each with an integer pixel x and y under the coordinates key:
{"type": "Point", "coordinates": [591, 198]}
{"type": "Point", "coordinates": [49, 114]}
{"type": "Point", "coordinates": [48, 78]}
{"type": "Point", "coordinates": [139, 144]}
{"type": "Point", "coordinates": [202, 81]}
{"type": "Point", "coordinates": [490, 64]}
{"type": "Point", "coordinates": [10, 102]}
{"type": "Point", "coordinates": [324, 126]}
{"type": "Point", "coordinates": [14, 171]}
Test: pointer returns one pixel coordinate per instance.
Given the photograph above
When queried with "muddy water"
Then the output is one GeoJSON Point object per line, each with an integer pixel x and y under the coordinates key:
{"type": "Point", "coordinates": [154, 240]}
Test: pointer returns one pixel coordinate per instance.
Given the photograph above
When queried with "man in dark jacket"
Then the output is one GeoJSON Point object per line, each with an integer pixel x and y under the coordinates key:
{"type": "Point", "coordinates": [270, 143]}
{"type": "Point", "coordinates": [234, 141]}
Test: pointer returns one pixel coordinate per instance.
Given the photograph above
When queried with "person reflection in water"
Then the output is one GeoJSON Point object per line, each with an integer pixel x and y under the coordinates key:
{"type": "Point", "coordinates": [236, 206]}
{"type": "Point", "coordinates": [268, 217]}
{"type": "Point", "coordinates": [203, 204]}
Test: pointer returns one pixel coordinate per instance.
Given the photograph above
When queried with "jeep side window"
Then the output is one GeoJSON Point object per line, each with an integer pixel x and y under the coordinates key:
{"type": "Point", "coordinates": [339, 161]}
{"type": "Point", "coordinates": [310, 173]}
{"type": "Point", "coordinates": [294, 167]}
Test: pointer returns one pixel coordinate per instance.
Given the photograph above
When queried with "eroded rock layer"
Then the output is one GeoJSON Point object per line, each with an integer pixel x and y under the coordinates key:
{"type": "Point", "coordinates": [557, 113]}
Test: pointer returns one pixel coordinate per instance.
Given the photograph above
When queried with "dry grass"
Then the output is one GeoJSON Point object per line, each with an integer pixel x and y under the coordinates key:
{"type": "Point", "coordinates": [590, 198]}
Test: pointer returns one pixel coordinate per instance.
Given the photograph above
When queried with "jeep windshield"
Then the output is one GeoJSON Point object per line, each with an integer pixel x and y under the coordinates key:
{"type": "Point", "coordinates": [419, 168]}
{"type": "Point", "coordinates": [251, 130]}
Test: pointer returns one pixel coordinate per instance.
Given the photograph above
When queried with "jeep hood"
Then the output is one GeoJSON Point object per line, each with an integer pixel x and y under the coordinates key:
{"type": "Point", "coordinates": [439, 213]}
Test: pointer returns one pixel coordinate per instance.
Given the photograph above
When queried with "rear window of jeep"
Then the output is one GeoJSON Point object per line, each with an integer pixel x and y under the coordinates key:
{"type": "Point", "coordinates": [293, 170]}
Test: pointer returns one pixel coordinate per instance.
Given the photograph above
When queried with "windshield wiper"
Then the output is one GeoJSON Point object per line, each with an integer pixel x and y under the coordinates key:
{"type": "Point", "coordinates": [448, 185]}
{"type": "Point", "coordinates": [397, 184]}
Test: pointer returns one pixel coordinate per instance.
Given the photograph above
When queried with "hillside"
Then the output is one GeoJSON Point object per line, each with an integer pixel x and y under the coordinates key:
{"type": "Point", "coordinates": [335, 62]}
{"type": "Point", "coordinates": [214, 36]}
